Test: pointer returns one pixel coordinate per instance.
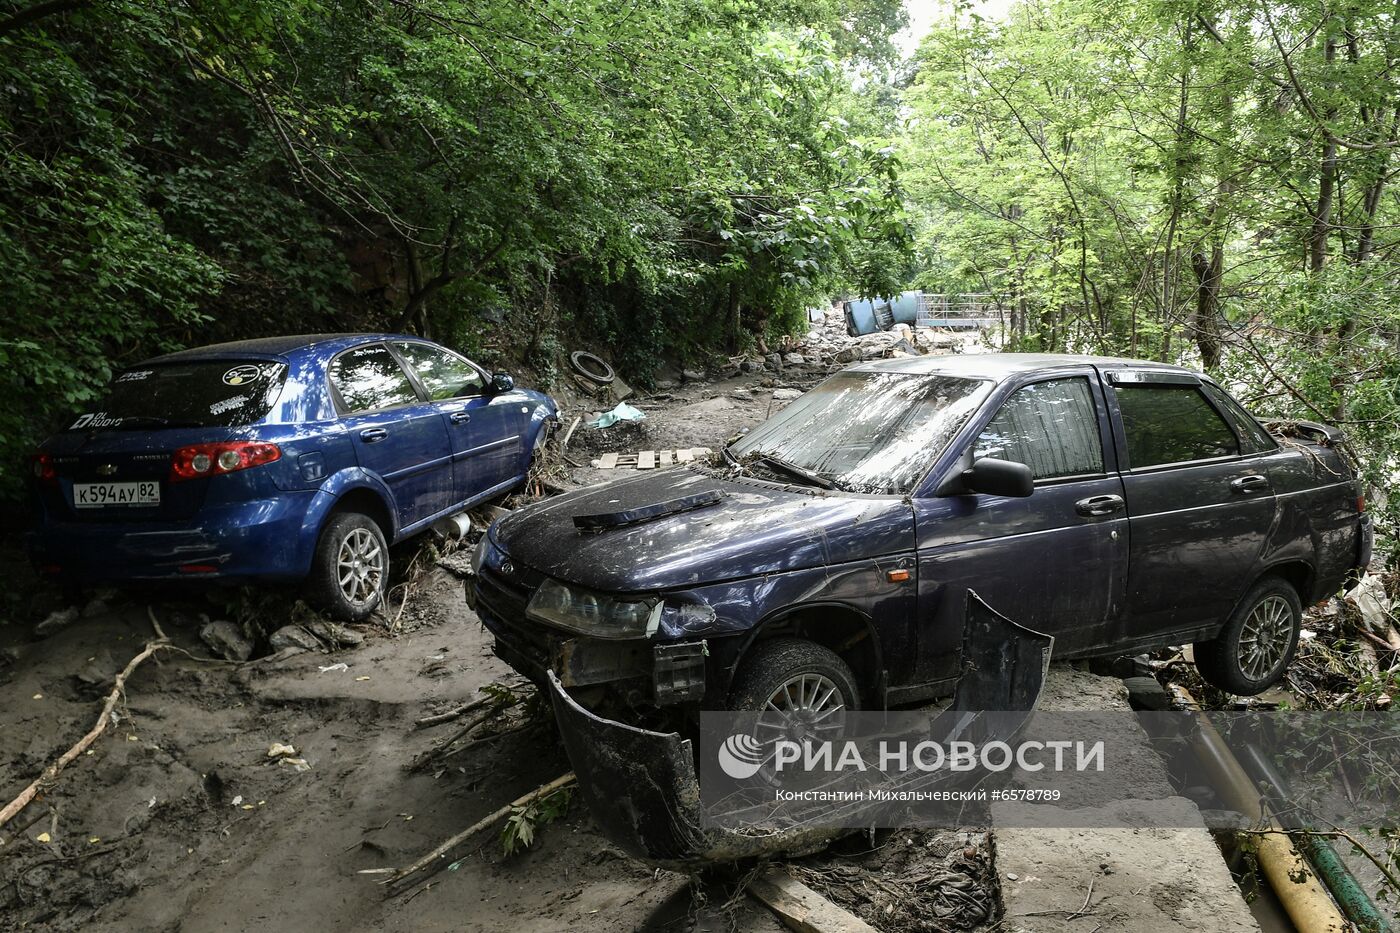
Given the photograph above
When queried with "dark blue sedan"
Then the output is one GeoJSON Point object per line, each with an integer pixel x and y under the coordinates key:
{"type": "Point", "coordinates": [287, 458]}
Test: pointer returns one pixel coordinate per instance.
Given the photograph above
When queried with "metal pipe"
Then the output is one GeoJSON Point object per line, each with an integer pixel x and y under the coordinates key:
{"type": "Point", "coordinates": [1303, 896]}
{"type": "Point", "coordinates": [1352, 898]}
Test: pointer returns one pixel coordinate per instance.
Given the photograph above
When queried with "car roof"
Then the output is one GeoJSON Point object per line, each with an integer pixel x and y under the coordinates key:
{"type": "Point", "coordinates": [265, 347]}
{"type": "Point", "coordinates": [1000, 366]}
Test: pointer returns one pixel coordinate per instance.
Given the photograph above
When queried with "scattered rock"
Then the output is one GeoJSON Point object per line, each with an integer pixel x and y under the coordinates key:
{"type": "Point", "coordinates": [96, 606]}
{"type": "Point", "coordinates": [847, 355]}
{"type": "Point", "coordinates": [741, 394]}
{"type": "Point", "coordinates": [295, 764]}
{"type": "Point", "coordinates": [335, 634]}
{"type": "Point", "coordinates": [98, 669]}
{"type": "Point", "coordinates": [692, 375]}
{"type": "Point", "coordinates": [293, 636]}
{"type": "Point", "coordinates": [775, 361]}
{"type": "Point", "coordinates": [665, 385]}
{"type": "Point", "coordinates": [786, 395]}
{"type": "Point", "coordinates": [226, 640]}
{"type": "Point", "coordinates": [56, 621]}
{"type": "Point", "coordinates": [794, 359]}
{"type": "Point", "coordinates": [751, 366]}
{"type": "Point", "coordinates": [280, 750]}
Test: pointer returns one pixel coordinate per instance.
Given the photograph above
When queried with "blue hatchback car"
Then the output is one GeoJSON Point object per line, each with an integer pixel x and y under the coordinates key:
{"type": "Point", "coordinates": [288, 458]}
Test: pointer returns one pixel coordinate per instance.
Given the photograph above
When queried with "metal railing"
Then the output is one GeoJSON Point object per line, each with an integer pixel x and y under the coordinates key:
{"type": "Point", "coordinates": [958, 312]}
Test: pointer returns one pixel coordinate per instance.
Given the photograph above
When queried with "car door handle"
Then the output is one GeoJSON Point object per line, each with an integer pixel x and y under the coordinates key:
{"type": "Point", "coordinates": [1252, 483]}
{"type": "Point", "coordinates": [460, 417]}
{"type": "Point", "coordinates": [370, 435]}
{"type": "Point", "coordinates": [1098, 505]}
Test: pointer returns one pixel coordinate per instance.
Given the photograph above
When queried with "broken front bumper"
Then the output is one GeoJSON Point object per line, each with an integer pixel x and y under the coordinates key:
{"type": "Point", "coordinates": [642, 788]}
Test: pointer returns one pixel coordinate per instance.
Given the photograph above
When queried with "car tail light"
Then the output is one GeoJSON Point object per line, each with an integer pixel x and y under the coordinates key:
{"type": "Point", "coordinates": [213, 459]}
{"type": "Point", "coordinates": [44, 470]}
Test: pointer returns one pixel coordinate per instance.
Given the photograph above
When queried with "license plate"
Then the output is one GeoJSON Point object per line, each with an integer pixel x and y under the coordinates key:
{"type": "Point", "coordinates": [102, 495]}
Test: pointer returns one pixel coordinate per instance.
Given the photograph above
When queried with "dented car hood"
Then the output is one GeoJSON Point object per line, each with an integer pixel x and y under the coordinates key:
{"type": "Point", "coordinates": [751, 527]}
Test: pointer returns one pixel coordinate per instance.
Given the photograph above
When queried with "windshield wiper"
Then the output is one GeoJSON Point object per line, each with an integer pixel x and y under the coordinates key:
{"type": "Point", "coordinates": [792, 469]}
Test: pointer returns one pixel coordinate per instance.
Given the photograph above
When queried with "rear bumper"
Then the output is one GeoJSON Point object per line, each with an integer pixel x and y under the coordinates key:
{"type": "Point", "coordinates": [260, 538]}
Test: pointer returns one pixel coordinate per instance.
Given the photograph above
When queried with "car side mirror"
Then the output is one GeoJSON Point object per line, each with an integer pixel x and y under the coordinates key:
{"type": "Point", "coordinates": [998, 478]}
{"type": "Point", "coordinates": [502, 382]}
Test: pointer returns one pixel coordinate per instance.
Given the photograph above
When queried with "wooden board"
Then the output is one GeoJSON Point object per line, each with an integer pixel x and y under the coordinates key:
{"type": "Point", "coordinates": [666, 458]}
{"type": "Point", "coordinates": [802, 909]}
{"type": "Point", "coordinates": [646, 460]}
{"type": "Point", "coordinates": [684, 456]}
{"type": "Point", "coordinates": [608, 462]}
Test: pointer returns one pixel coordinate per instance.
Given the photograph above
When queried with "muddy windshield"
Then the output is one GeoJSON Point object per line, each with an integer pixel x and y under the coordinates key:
{"type": "Point", "coordinates": [873, 432]}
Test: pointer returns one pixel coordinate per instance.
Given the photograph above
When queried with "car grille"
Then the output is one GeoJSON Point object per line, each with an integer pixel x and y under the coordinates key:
{"type": "Point", "coordinates": [501, 602]}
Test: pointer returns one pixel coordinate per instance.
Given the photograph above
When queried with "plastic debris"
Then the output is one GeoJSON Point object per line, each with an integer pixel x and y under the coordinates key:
{"type": "Point", "coordinates": [280, 750]}
{"type": "Point", "coordinates": [296, 764]}
{"type": "Point", "coordinates": [622, 412]}
{"type": "Point", "coordinates": [342, 666]}
{"type": "Point", "coordinates": [43, 837]}
{"type": "Point", "coordinates": [237, 800]}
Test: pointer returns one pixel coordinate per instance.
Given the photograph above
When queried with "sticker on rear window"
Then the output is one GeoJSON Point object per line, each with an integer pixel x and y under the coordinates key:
{"type": "Point", "coordinates": [135, 375]}
{"type": "Point", "coordinates": [95, 419]}
{"type": "Point", "coordinates": [241, 375]}
{"type": "Point", "coordinates": [228, 404]}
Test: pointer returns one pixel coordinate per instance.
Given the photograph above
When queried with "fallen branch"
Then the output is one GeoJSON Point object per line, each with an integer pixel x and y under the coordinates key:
{"type": "Point", "coordinates": [452, 714]}
{"type": "Point", "coordinates": [484, 823]}
{"type": "Point", "coordinates": [52, 771]}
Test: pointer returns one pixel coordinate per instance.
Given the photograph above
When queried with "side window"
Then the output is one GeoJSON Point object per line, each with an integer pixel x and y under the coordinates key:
{"type": "Point", "coordinates": [442, 374]}
{"type": "Point", "coordinates": [1051, 427]}
{"type": "Point", "coordinates": [1256, 439]}
{"type": "Point", "coordinates": [1171, 424]}
{"type": "Point", "coordinates": [369, 377]}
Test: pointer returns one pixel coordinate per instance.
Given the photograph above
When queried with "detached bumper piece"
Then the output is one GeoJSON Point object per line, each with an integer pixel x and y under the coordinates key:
{"type": "Point", "coordinates": [679, 673]}
{"type": "Point", "coordinates": [642, 786]}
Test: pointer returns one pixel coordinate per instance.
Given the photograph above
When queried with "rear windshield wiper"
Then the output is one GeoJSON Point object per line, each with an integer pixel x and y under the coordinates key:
{"type": "Point", "coordinates": [792, 469]}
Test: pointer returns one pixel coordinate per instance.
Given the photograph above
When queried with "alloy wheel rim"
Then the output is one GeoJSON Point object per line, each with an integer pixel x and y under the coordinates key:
{"type": "Point", "coordinates": [1265, 637]}
{"type": "Point", "coordinates": [360, 567]}
{"type": "Point", "coordinates": [805, 707]}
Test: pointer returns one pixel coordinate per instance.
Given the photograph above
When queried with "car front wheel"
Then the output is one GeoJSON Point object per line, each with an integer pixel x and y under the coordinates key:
{"type": "Point", "coordinates": [1257, 644]}
{"type": "Point", "coordinates": [796, 678]}
{"type": "Point", "coordinates": [351, 570]}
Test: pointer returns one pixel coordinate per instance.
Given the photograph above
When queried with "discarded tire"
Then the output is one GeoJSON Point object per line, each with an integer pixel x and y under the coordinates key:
{"type": "Point", "coordinates": [591, 367]}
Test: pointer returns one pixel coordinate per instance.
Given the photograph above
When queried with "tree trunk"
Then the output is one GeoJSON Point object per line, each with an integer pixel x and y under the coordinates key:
{"type": "Point", "coordinates": [1209, 269]}
{"type": "Point", "coordinates": [1322, 217]}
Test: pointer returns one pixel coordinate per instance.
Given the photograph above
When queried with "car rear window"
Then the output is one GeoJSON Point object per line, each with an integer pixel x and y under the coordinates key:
{"type": "Point", "coordinates": [200, 393]}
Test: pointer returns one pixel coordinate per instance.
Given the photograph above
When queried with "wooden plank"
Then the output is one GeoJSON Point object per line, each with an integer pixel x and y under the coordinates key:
{"type": "Point", "coordinates": [666, 458]}
{"type": "Point", "coordinates": [700, 451]}
{"type": "Point", "coordinates": [609, 462]}
{"type": "Point", "coordinates": [802, 909]}
{"type": "Point", "coordinates": [646, 459]}
{"type": "Point", "coordinates": [684, 456]}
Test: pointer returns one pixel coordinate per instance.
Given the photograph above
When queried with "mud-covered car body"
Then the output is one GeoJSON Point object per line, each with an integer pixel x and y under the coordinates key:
{"type": "Point", "coordinates": [704, 562]}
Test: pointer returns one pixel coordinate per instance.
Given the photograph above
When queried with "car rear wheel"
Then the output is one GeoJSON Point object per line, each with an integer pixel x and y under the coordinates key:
{"type": "Point", "coordinates": [351, 569]}
{"type": "Point", "coordinates": [1257, 644]}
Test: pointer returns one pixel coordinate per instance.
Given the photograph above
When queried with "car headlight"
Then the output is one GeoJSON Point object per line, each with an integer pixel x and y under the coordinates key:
{"type": "Point", "coordinates": [597, 615]}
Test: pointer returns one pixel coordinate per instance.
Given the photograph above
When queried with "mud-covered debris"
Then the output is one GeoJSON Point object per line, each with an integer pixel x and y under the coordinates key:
{"type": "Point", "coordinates": [98, 669]}
{"type": "Point", "coordinates": [281, 750]}
{"type": "Point", "coordinates": [794, 359]}
{"type": "Point", "coordinates": [341, 666]}
{"type": "Point", "coordinates": [294, 636]}
{"type": "Point", "coordinates": [335, 634]}
{"type": "Point", "coordinates": [692, 375]}
{"type": "Point", "coordinates": [56, 621]}
{"type": "Point", "coordinates": [294, 764]}
{"type": "Point", "coordinates": [226, 640]}
{"type": "Point", "coordinates": [786, 395]}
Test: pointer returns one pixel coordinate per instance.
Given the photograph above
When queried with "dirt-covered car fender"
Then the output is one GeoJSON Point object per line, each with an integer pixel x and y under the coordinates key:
{"type": "Point", "coordinates": [351, 489]}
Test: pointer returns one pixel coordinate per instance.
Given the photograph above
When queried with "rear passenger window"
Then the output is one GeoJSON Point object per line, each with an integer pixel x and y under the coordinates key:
{"type": "Point", "coordinates": [1172, 424]}
{"type": "Point", "coordinates": [1051, 427]}
{"type": "Point", "coordinates": [369, 377]}
{"type": "Point", "coordinates": [1255, 438]}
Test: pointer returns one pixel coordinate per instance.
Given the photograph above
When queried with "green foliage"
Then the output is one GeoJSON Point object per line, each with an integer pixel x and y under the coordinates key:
{"type": "Point", "coordinates": [524, 822]}
{"type": "Point", "coordinates": [1203, 182]}
{"type": "Point", "coordinates": [677, 175]}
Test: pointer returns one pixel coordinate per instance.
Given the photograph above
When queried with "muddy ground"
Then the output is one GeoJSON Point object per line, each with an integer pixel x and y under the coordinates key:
{"type": "Point", "coordinates": [178, 819]}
